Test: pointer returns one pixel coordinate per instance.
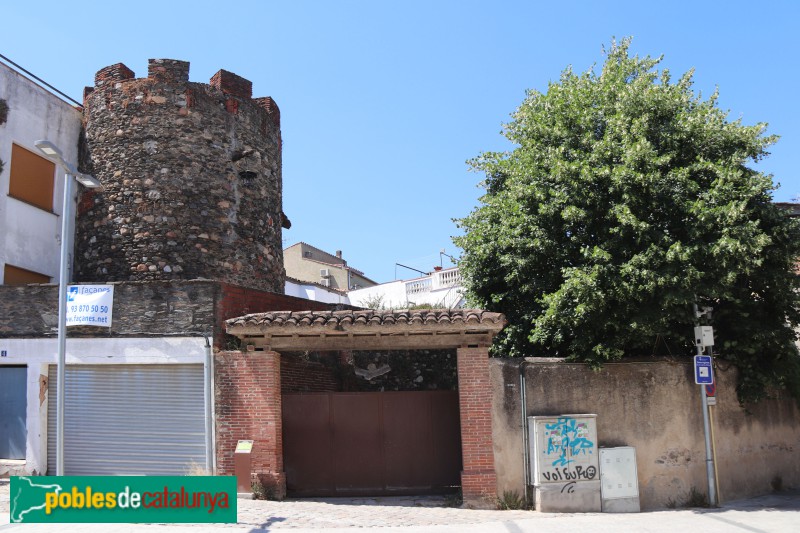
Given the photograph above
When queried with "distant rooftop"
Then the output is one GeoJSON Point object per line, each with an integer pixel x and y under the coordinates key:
{"type": "Point", "coordinates": [335, 259]}
{"type": "Point", "coordinates": [792, 207]}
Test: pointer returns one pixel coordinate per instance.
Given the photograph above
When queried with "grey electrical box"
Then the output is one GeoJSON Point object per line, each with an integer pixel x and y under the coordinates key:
{"type": "Point", "coordinates": [704, 336]}
{"type": "Point", "coordinates": [564, 463]}
{"type": "Point", "coordinates": [619, 483]}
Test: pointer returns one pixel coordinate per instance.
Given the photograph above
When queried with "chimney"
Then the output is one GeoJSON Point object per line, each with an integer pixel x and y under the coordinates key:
{"type": "Point", "coordinates": [338, 254]}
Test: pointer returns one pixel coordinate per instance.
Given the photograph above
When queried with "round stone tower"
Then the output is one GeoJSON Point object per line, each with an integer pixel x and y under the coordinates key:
{"type": "Point", "coordinates": [191, 179]}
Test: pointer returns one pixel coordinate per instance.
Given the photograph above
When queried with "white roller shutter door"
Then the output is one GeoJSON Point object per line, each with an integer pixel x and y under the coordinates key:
{"type": "Point", "coordinates": [129, 419]}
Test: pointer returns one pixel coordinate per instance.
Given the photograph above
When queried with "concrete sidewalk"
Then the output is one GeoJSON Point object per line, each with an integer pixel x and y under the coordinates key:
{"type": "Point", "coordinates": [778, 512]}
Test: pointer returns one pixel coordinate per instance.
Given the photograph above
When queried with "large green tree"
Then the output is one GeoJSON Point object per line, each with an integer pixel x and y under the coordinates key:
{"type": "Point", "coordinates": [626, 199]}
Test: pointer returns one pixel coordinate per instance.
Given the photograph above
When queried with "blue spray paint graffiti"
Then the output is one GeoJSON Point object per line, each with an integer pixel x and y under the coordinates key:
{"type": "Point", "coordinates": [567, 439]}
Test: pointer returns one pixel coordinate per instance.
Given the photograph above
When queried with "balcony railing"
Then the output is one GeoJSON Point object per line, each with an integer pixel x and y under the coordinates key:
{"type": "Point", "coordinates": [418, 286]}
{"type": "Point", "coordinates": [446, 278]}
{"type": "Point", "coordinates": [437, 280]}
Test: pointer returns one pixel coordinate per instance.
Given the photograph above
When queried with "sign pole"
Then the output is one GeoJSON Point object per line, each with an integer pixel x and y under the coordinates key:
{"type": "Point", "coordinates": [52, 153]}
{"type": "Point", "coordinates": [712, 489]}
{"type": "Point", "coordinates": [712, 496]}
{"type": "Point", "coordinates": [66, 215]}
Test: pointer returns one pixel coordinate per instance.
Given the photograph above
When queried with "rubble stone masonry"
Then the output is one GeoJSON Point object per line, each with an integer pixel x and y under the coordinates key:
{"type": "Point", "coordinates": [191, 177]}
{"type": "Point", "coordinates": [158, 308]}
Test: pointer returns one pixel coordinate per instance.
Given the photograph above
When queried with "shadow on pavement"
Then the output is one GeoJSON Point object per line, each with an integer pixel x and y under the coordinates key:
{"type": "Point", "coordinates": [391, 501]}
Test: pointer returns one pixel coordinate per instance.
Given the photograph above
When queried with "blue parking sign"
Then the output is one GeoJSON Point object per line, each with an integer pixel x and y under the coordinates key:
{"type": "Point", "coordinates": [702, 370]}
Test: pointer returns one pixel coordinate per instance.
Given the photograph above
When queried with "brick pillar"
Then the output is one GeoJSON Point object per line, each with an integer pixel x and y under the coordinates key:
{"type": "Point", "coordinates": [478, 479]}
{"type": "Point", "coordinates": [248, 407]}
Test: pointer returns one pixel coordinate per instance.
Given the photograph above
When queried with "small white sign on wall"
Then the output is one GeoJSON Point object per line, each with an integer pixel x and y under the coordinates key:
{"type": "Point", "coordinates": [90, 305]}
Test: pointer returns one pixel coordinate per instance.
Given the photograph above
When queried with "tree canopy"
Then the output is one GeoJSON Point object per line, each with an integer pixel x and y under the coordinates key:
{"type": "Point", "coordinates": [626, 199]}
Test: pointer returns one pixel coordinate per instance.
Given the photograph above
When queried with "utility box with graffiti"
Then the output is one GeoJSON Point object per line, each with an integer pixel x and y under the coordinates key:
{"type": "Point", "coordinates": [564, 463]}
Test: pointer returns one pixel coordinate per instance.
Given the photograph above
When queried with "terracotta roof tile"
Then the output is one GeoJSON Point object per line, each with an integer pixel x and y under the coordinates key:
{"type": "Point", "coordinates": [432, 319]}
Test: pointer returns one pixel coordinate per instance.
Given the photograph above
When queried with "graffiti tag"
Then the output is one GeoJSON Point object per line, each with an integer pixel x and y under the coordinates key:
{"type": "Point", "coordinates": [578, 474]}
{"type": "Point", "coordinates": [566, 439]}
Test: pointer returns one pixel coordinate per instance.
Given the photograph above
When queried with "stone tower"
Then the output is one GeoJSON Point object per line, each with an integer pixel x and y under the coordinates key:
{"type": "Point", "coordinates": [191, 177]}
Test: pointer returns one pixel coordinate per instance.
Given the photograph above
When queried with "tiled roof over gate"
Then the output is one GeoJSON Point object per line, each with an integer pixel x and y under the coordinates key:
{"type": "Point", "coordinates": [341, 319]}
{"type": "Point", "coordinates": [429, 327]}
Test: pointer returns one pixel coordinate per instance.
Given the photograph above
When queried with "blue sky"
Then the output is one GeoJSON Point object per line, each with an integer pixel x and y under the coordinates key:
{"type": "Point", "coordinates": [383, 102]}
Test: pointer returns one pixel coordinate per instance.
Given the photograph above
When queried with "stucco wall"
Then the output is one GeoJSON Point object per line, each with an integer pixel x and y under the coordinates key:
{"type": "Point", "coordinates": [303, 268]}
{"type": "Point", "coordinates": [309, 291]}
{"type": "Point", "coordinates": [654, 407]}
{"type": "Point", "coordinates": [30, 236]}
{"type": "Point", "coordinates": [394, 295]}
{"type": "Point", "coordinates": [307, 269]}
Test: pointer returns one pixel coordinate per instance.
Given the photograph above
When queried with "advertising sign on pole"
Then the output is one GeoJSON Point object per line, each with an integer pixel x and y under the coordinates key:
{"type": "Point", "coordinates": [90, 305]}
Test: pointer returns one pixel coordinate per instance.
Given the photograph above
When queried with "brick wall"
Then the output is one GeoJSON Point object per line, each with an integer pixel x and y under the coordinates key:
{"type": "Point", "coordinates": [112, 73]}
{"type": "Point", "coordinates": [299, 374]}
{"type": "Point", "coordinates": [478, 479]}
{"type": "Point", "coordinates": [268, 104]}
{"type": "Point", "coordinates": [248, 393]}
{"type": "Point", "coordinates": [236, 301]}
{"type": "Point", "coordinates": [230, 83]}
{"type": "Point", "coordinates": [248, 407]}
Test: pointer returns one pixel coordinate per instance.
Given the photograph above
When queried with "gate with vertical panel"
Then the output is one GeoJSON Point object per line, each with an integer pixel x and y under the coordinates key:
{"type": "Point", "coordinates": [371, 443]}
{"type": "Point", "coordinates": [129, 419]}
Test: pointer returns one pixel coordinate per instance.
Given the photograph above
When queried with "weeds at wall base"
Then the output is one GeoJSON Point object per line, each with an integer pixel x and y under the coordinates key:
{"type": "Point", "coordinates": [511, 501]}
{"type": "Point", "coordinates": [454, 500]}
{"type": "Point", "coordinates": [692, 498]}
{"type": "Point", "coordinates": [260, 492]}
{"type": "Point", "coordinates": [196, 469]}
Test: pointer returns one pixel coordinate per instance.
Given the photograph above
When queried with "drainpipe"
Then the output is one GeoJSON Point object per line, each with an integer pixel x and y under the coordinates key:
{"type": "Point", "coordinates": [525, 436]}
{"type": "Point", "coordinates": [209, 415]}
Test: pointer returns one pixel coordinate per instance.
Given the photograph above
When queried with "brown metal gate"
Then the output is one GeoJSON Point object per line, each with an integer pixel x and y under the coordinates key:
{"type": "Point", "coordinates": [376, 443]}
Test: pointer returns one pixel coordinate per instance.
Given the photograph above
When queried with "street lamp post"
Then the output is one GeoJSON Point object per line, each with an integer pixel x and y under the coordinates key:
{"type": "Point", "coordinates": [54, 154]}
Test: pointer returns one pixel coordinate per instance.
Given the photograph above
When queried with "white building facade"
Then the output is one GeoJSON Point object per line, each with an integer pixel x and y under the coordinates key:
{"type": "Point", "coordinates": [315, 291]}
{"type": "Point", "coordinates": [439, 289]}
{"type": "Point", "coordinates": [31, 187]}
{"type": "Point", "coordinates": [31, 202]}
